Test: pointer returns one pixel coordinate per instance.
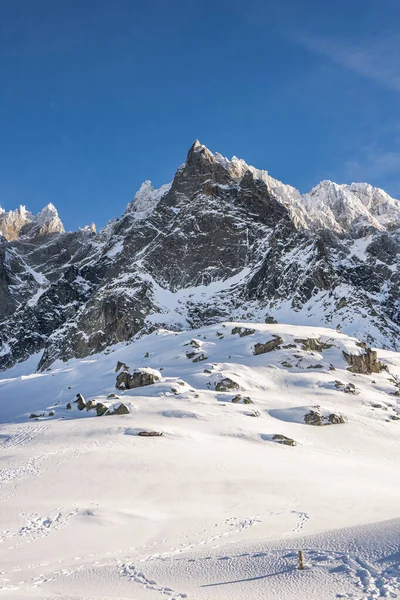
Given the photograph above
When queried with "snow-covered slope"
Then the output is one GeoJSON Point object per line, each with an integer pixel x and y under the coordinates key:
{"type": "Point", "coordinates": [216, 507]}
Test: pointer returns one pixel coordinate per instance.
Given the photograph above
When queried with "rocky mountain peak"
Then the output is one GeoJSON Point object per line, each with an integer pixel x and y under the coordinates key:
{"type": "Point", "coordinates": [223, 241]}
{"type": "Point", "coordinates": [46, 214]}
{"type": "Point", "coordinates": [21, 222]}
{"type": "Point", "coordinates": [355, 209]}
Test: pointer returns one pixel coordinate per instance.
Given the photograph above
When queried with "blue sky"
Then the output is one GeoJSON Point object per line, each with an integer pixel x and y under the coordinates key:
{"type": "Point", "coordinates": [97, 96]}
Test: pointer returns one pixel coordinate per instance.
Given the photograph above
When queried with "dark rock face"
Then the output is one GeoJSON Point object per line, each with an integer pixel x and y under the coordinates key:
{"type": "Point", "coordinates": [364, 363]}
{"type": "Point", "coordinates": [68, 295]}
{"type": "Point", "coordinates": [80, 400]}
{"type": "Point", "coordinates": [313, 344]}
{"type": "Point", "coordinates": [243, 331]}
{"type": "Point", "coordinates": [268, 346]}
{"type": "Point", "coordinates": [138, 378]}
{"type": "Point", "coordinates": [200, 357]}
{"type": "Point", "coordinates": [315, 417]}
{"type": "Point", "coordinates": [236, 399]}
{"type": "Point", "coordinates": [101, 409]}
{"type": "Point", "coordinates": [226, 385]}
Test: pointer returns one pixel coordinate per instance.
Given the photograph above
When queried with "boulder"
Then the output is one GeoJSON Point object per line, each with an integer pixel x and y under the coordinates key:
{"type": "Point", "coordinates": [335, 419]}
{"type": "Point", "coordinates": [366, 363]}
{"type": "Point", "coordinates": [101, 409]}
{"type": "Point", "coordinates": [33, 416]}
{"type": "Point", "coordinates": [117, 409]}
{"type": "Point", "coordinates": [80, 400]}
{"type": "Point", "coordinates": [270, 320]}
{"type": "Point", "coordinates": [315, 417]}
{"type": "Point", "coordinates": [243, 331]}
{"type": "Point", "coordinates": [350, 388]}
{"type": "Point", "coordinates": [201, 357]}
{"type": "Point", "coordinates": [194, 343]}
{"type": "Point", "coordinates": [236, 399]}
{"type": "Point", "coordinates": [252, 413]}
{"type": "Point", "coordinates": [150, 433]}
{"type": "Point", "coordinates": [121, 365]}
{"type": "Point", "coordinates": [282, 439]}
{"type": "Point", "coordinates": [313, 344]}
{"type": "Point", "coordinates": [247, 400]}
{"type": "Point", "coordinates": [112, 396]}
{"type": "Point", "coordinates": [127, 380]}
{"type": "Point", "coordinates": [51, 413]}
{"type": "Point", "coordinates": [69, 406]}
{"type": "Point", "coordinates": [268, 346]}
{"type": "Point", "coordinates": [226, 385]}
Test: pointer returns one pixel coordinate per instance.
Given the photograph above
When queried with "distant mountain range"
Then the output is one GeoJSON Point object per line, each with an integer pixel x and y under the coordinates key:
{"type": "Point", "coordinates": [223, 241]}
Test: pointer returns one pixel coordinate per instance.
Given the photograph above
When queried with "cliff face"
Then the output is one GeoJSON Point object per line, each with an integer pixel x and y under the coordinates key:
{"type": "Point", "coordinates": [223, 241]}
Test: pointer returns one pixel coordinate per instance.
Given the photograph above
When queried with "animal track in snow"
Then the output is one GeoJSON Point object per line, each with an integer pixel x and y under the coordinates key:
{"type": "Point", "coordinates": [302, 519]}
{"type": "Point", "coordinates": [372, 582]}
{"type": "Point", "coordinates": [37, 527]}
{"type": "Point", "coordinates": [237, 525]}
{"type": "Point", "coordinates": [138, 577]}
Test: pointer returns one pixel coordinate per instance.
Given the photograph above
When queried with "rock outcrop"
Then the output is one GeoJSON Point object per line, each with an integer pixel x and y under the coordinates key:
{"type": "Point", "coordinates": [117, 409]}
{"type": "Point", "coordinates": [316, 417]}
{"type": "Point", "coordinates": [128, 380]}
{"type": "Point", "coordinates": [80, 401]}
{"type": "Point", "coordinates": [226, 384]}
{"type": "Point", "coordinates": [264, 247]}
{"type": "Point", "coordinates": [273, 344]}
{"type": "Point", "coordinates": [366, 363]}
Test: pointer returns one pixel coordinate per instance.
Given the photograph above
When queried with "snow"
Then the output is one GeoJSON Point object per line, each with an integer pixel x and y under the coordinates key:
{"type": "Point", "coordinates": [213, 508]}
{"type": "Point", "coordinates": [146, 199]}
{"type": "Point", "coordinates": [47, 213]}
{"type": "Point", "coordinates": [12, 222]}
{"type": "Point", "coordinates": [339, 207]}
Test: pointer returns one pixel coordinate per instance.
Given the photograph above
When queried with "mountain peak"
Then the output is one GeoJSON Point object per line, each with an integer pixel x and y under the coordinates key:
{"type": "Point", "coordinates": [47, 213]}
{"type": "Point", "coordinates": [21, 222]}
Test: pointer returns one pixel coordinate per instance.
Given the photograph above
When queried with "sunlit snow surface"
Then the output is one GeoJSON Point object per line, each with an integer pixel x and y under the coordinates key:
{"type": "Point", "coordinates": [213, 508]}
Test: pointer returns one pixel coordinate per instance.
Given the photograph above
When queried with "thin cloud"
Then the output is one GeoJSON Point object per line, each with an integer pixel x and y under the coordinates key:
{"type": "Point", "coordinates": [374, 163]}
{"type": "Point", "coordinates": [377, 60]}
{"type": "Point", "coordinates": [376, 166]}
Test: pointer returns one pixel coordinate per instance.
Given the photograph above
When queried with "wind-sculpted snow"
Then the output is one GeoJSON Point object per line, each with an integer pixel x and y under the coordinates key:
{"type": "Point", "coordinates": [103, 506]}
{"type": "Point", "coordinates": [222, 241]}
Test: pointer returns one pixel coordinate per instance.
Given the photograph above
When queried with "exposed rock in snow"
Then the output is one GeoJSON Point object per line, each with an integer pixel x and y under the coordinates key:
{"type": "Point", "coordinates": [127, 380]}
{"type": "Point", "coordinates": [262, 348]}
{"type": "Point", "coordinates": [366, 363]}
{"type": "Point", "coordinates": [223, 241]}
{"type": "Point", "coordinates": [146, 199]}
{"type": "Point", "coordinates": [357, 209]}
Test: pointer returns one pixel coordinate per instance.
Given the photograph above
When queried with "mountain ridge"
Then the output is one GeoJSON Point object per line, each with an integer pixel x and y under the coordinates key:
{"type": "Point", "coordinates": [222, 241]}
